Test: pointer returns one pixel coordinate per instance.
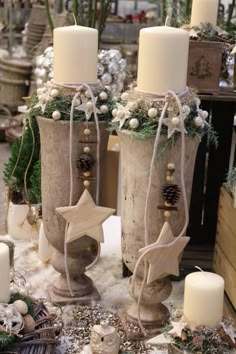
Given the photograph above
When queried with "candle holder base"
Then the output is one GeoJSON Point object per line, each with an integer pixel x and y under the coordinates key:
{"type": "Point", "coordinates": [59, 299]}
{"type": "Point", "coordinates": [132, 329]}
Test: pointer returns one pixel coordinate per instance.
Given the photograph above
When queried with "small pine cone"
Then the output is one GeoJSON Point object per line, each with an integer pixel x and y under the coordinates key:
{"type": "Point", "coordinates": [171, 193]}
{"type": "Point", "coordinates": [85, 162]}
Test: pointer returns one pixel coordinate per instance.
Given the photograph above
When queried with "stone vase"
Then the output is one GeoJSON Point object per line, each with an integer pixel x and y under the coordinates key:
{"type": "Point", "coordinates": [135, 168]}
{"type": "Point", "coordinates": [54, 137]}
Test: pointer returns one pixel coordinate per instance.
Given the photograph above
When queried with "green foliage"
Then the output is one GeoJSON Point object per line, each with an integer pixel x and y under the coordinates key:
{"type": "Point", "coordinates": [21, 151]}
{"type": "Point", "coordinates": [6, 340]}
{"type": "Point", "coordinates": [35, 182]}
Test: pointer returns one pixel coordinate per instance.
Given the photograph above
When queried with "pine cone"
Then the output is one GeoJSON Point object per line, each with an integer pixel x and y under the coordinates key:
{"type": "Point", "coordinates": [85, 162]}
{"type": "Point", "coordinates": [171, 193]}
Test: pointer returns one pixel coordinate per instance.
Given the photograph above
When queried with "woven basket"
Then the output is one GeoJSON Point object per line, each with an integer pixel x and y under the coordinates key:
{"type": "Point", "coordinates": [12, 91]}
{"type": "Point", "coordinates": [43, 339]}
{"type": "Point", "coordinates": [16, 73]}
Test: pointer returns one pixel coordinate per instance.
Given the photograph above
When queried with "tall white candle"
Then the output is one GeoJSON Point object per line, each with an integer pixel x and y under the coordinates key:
{"type": "Point", "coordinates": [204, 11]}
{"type": "Point", "coordinates": [4, 273]}
{"type": "Point", "coordinates": [203, 299]}
{"type": "Point", "coordinates": [75, 54]}
{"type": "Point", "coordinates": [162, 59]}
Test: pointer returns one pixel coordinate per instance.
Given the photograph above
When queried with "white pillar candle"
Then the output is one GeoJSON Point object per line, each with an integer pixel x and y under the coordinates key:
{"type": "Point", "coordinates": [4, 273]}
{"type": "Point", "coordinates": [204, 11]}
{"type": "Point", "coordinates": [75, 54]}
{"type": "Point", "coordinates": [203, 299]}
{"type": "Point", "coordinates": [162, 59]}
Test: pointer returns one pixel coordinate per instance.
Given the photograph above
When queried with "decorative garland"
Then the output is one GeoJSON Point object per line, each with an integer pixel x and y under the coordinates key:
{"type": "Point", "coordinates": [53, 101]}
{"type": "Point", "coordinates": [202, 339]}
{"type": "Point", "coordinates": [140, 114]}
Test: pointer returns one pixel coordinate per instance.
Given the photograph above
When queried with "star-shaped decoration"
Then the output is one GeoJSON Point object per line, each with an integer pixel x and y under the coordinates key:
{"type": "Point", "coordinates": [87, 107]}
{"type": "Point", "coordinates": [123, 113]}
{"type": "Point", "coordinates": [174, 124]}
{"type": "Point", "coordinates": [177, 329]}
{"type": "Point", "coordinates": [164, 260]}
{"type": "Point", "coordinates": [85, 218]}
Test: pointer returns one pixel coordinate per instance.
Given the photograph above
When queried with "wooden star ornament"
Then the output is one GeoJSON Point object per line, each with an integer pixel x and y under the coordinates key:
{"type": "Point", "coordinates": [164, 261]}
{"type": "Point", "coordinates": [85, 218]}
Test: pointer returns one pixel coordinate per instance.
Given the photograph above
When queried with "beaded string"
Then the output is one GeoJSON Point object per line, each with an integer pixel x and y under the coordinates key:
{"type": "Point", "coordinates": [77, 94]}
{"type": "Point", "coordinates": [182, 167]}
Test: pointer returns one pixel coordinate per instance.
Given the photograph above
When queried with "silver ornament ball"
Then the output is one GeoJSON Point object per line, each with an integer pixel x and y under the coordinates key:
{"type": "Point", "coordinates": [198, 121]}
{"type": "Point", "coordinates": [106, 79]}
{"type": "Point", "coordinates": [113, 68]}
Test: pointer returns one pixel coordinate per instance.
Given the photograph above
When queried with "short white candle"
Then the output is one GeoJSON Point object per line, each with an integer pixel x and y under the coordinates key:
{"type": "Point", "coordinates": [203, 299]}
{"type": "Point", "coordinates": [4, 273]}
{"type": "Point", "coordinates": [45, 249]}
{"type": "Point", "coordinates": [162, 59]}
{"type": "Point", "coordinates": [75, 54]}
{"type": "Point", "coordinates": [204, 11]}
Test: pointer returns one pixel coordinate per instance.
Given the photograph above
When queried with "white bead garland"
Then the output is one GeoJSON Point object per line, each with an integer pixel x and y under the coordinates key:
{"type": "Point", "coordinates": [56, 115]}
{"type": "Point", "coordinates": [54, 93]}
{"type": "Point", "coordinates": [175, 120]}
{"type": "Point", "coordinates": [104, 109]}
{"type": "Point", "coordinates": [124, 96]}
{"type": "Point", "coordinates": [114, 112]}
{"type": "Point", "coordinates": [134, 123]}
{"type": "Point", "coordinates": [103, 96]}
{"type": "Point", "coordinates": [152, 112]}
{"type": "Point", "coordinates": [198, 121]}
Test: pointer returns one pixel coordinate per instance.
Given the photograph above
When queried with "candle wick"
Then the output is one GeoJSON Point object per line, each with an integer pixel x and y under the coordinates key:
{"type": "Point", "coordinates": [76, 24]}
{"type": "Point", "coordinates": [199, 268]}
{"type": "Point", "coordinates": [167, 20]}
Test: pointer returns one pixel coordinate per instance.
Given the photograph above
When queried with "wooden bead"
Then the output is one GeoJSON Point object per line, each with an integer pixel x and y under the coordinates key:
{"type": "Point", "coordinates": [167, 214]}
{"type": "Point", "coordinates": [86, 183]}
{"type": "Point", "coordinates": [87, 149]}
{"type": "Point", "coordinates": [29, 324]}
{"type": "Point", "coordinates": [87, 131]}
{"type": "Point", "coordinates": [87, 174]}
{"type": "Point", "coordinates": [169, 178]}
{"type": "Point", "coordinates": [171, 166]}
{"type": "Point", "coordinates": [167, 204]}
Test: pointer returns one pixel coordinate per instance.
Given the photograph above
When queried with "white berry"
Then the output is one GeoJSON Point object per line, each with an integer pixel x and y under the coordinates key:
{"type": "Point", "coordinates": [124, 96]}
{"type": "Point", "coordinates": [198, 121]}
{"type": "Point", "coordinates": [114, 112]}
{"type": "Point", "coordinates": [54, 93]}
{"type": "Point", "coordinates": [89, 104]}
{"type": "Point", "coordinates": [134, 123]}
{"type": "Point", "coordinates": [104, 109]}
{"type": "Point", "coordinates": [56, 115]}
{"type": "Point", "coordinates": [204, 114]}
{"type": "Point", "coordinates": [152, 112]}
{"type": "Point", "coordinates": [21, 306]}
{"type": "Point", "coordinates": [103, 96]}
{"type": "Point", "coordinates": [175, 120]}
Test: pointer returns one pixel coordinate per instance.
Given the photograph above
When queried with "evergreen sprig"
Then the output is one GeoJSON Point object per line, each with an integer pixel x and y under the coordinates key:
{"type": "Point", "coordinates": [21, 150]}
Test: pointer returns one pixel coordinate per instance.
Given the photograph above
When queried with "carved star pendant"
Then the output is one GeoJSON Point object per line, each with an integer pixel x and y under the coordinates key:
{"type": "Point", "coordinates": [85, 218]}
{"type": "Point", "coordinates": [164, 261]}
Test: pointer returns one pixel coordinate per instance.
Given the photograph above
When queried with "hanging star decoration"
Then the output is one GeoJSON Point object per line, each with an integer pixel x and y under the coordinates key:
{"type": "Point", "coordinates": [122, 114]}
{"type": "Point", "coordinates": [87, 107]}
{"type": "Point", "coordinates": [85, 218]}
{"type": "Point", "coordinates": [165, 260]}
{"type": "Point", "coordinates": [174, 122]}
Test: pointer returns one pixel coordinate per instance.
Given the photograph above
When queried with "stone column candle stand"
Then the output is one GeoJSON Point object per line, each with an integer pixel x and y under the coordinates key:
{"type": "Point", "coordinates": [166, 210]}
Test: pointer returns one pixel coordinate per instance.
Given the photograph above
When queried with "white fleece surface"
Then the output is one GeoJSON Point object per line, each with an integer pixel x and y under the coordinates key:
{"type": "Point", "coordinates": [106, 274]}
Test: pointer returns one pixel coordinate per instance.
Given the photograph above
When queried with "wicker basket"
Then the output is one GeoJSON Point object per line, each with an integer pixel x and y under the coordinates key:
{"type": "Point", "coordinates": [12, 91]}
{"type": "Point", "coordinates": [15, 73]}
{"type": "Point", "coordinates": [38, 15]}
{"type": "Point", "coordinates": [43, 339]}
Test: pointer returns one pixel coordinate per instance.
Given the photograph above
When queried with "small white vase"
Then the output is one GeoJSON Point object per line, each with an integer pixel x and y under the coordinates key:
{"type": "Point", "coordinates": [45, 249]}
{"type": "Point", "coordinates": [18, 225]}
